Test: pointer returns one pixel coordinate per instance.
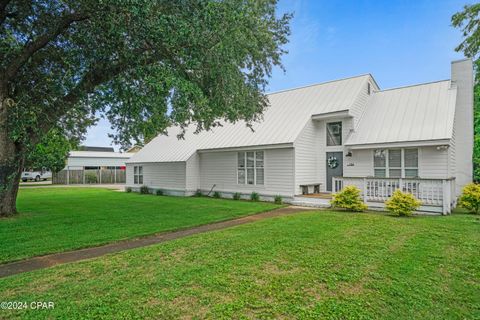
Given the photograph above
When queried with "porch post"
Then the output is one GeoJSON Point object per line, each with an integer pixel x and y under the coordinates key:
{"type": "Point", "coordinates": [445, 197]}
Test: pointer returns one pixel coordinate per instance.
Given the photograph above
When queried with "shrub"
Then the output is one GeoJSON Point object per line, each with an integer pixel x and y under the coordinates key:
{"type": "Point", "coordinates": [349, 199]}
{"type": "Point", "coordinates": [470, 198]}
{"type": "Point", "coordinates": [144, 190]}
{"type": "Point", "coordinates": [402, 203]}
{"type": "Point", "coordinates": [90, 177]}
{"type": "Point", "coordinates": [159, 192]}
{"type": "Point", "coordinates": [278, 199]}
{"type": "Point", "coordinates": [198, 193]}
{"type": "Point", "coordinates": [237, 196]}
{"type": "Point", "coordinates": [254, 196]}
{"type": "Point", "coordinates": [128, 189]}
{"type": "Point", "coordinates": [216, 194]}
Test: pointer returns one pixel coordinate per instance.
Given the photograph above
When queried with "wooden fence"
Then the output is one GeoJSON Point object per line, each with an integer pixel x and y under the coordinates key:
{"type": "Point", "coordinates": [99, 176]}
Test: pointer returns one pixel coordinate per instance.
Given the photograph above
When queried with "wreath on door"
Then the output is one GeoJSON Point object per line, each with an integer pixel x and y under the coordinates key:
{"type": "Point", "coordinates": [332, 162]}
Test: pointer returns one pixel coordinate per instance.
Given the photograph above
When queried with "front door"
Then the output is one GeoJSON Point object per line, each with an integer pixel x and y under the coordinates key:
{"type": "Point", "coordinates": [334, 167]}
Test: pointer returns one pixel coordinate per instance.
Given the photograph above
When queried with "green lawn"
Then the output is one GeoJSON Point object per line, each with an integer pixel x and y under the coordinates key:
{"type": "Point", "coordinates": [56, 219]}
{"type": "Point", "coordinates": [310, 265]}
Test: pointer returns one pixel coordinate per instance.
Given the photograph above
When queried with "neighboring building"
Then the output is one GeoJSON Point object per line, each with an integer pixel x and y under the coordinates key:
{"type": "Point", "coordinates": [101, 149]}
{"type": "Point", "coordinates": [318, 138]}
{"type": "Point", "coordinates": [85, 167]}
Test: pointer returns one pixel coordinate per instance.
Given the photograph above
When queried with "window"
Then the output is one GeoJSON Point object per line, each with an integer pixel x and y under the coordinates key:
{"type": "Point", "coordinates": [138, 175]}
{"type": "Point", "coordinates": [250, 168]}
{"type": "Point", "coordinates": [380, 163]}
{"type": "Point", "coordinates": [334, 134]}
{"type": "Point", "coordinates": [411, 163]}
{"type": "Point", "coordinates": [395, 163]}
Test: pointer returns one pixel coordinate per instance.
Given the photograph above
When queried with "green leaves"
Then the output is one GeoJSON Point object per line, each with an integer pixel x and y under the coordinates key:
{"type": "Point", "coordinates": [144, 65]}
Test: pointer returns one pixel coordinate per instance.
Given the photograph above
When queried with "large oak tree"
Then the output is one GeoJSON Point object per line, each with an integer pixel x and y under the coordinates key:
{"type": "Point", "coordinates": [142, 64]}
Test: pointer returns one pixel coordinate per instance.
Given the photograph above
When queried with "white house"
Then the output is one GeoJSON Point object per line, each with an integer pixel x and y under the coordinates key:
{"type": "Point", "coordinates": [318, 138]}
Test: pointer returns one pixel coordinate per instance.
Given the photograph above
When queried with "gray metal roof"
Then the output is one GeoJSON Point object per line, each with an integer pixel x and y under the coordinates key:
{"type": "Point", "coordinates": [99, 154]}
{"type": "Point", "coordinates": [414, 113]}
{"type": "Point", "coordinates": [282, 122]}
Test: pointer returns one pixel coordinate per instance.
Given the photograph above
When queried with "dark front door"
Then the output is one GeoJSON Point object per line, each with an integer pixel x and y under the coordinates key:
{"type": "Point", "coordinates": [334, 167]}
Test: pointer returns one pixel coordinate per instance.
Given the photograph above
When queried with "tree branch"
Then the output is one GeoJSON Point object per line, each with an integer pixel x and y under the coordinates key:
{"type": "Point", "coordinates": [31, 48]}
{"type": "Point", "coordinates": [3, 10]}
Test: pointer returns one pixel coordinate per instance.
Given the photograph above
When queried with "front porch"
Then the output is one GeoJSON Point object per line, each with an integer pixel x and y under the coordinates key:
{"type": "Point", "coordinates": [436, 195]}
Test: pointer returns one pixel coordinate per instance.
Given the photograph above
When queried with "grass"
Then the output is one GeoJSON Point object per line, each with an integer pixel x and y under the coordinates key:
{"type": "Point", "coordinates": [55, 219]}
{"type": "Point", "coordinates": [311, 265]}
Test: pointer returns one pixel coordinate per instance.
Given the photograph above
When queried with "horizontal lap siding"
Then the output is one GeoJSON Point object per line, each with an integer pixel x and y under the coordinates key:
{"type": "Point", "coordinates": [433, 163]}
{"type": "Point", "coordinates": [192, 170]}
{"type": "Point", "coordinates": [360, 164]}
{"type": "Point", "coordinates": [306, 160]}
{"type": "Point", "coordinates": [165, 175]}
{"type": "Point", "coordinates": [220, 168]}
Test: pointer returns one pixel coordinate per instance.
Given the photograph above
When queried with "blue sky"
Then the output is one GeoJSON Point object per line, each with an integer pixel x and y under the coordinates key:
{"type": "Point", "coordinates": [398, 42]}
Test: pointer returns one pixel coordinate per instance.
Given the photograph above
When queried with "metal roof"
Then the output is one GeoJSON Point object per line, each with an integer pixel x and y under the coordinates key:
{"type": "Point", "coordinates": [99, 154]}
{"type": "Point", "coordinates": [288, 113]}
{"type": "Point", "coordinates": [421, 112]}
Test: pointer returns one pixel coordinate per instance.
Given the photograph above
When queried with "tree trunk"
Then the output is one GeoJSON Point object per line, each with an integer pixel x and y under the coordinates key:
{"type": "Point", "coordinates": [10, 164]}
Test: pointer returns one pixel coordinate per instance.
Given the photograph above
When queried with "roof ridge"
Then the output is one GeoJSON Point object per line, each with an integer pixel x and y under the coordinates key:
{"type": "Point", "coordinates": [413, 85]}
{"type": "Point", "coordinates": [319, 83]}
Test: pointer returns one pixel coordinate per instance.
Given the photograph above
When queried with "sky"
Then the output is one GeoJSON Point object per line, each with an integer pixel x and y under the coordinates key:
{"type": "Point", "coordinates": [398, 42]}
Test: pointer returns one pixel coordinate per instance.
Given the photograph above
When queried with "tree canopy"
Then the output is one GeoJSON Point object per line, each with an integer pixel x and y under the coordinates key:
{"type": "Point", "coordinates": [143, 64]}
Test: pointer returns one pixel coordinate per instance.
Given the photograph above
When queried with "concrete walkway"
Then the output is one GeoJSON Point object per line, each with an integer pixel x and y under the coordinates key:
{"type": "Point", "coordinates": [42, 262]}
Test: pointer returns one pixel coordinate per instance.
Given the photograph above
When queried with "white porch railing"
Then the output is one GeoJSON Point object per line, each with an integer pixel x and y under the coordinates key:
{"type": "Point", "coordinates": [431, 192]}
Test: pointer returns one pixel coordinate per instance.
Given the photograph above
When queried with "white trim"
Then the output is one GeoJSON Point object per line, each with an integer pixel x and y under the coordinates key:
{"type": "Point", "coordinates": [248, 148]}
{"type": "Point", "coordinates": [402, 167]}
{"type": "Point", "coordinates": [245, 168]}
{"type": "Point", "coordinates": [400, 144]}
{"type": "Point", "coordinates": [332, 115]}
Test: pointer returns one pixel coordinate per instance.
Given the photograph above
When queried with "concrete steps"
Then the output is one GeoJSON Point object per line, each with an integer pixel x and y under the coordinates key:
{"type": "Point", "coordinates": [311, 202]}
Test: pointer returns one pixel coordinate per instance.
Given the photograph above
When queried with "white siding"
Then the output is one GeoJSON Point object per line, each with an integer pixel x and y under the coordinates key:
{"type": "Point", "coordinates": [358, 107]}
{"type": "Point", "coordinates": [220, 168]}
{"type": "Point", "coordinates": [306, 156]}
{"type": "Point", "coordinates": [462, 77]}
{"type": "Point", "coordinates": [310, 152]}
{"type": "Point", "coordinates": [360, 164]}
{"type": "Point", "coordinates": [165, 175]}
{"type": "Point", "coordinates": [193, 173]}
{"type": "Point", "coordinates": [433, 163]}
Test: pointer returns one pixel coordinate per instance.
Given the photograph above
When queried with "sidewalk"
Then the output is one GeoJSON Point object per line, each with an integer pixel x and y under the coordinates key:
{"type": "Point", "coordinates": [42, 262]}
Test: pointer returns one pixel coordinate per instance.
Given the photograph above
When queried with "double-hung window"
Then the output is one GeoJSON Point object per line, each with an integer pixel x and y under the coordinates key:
{"type": "Point", "coordinates": [138, 175]}
{"type": "Point", "coordinates": [395, 163]}
{"type": "Point", "coordinates": [250, 167]}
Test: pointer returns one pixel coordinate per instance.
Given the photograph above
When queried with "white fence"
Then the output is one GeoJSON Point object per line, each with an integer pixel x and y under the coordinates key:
{"type": "Point", "coordinates": [431, 192]}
